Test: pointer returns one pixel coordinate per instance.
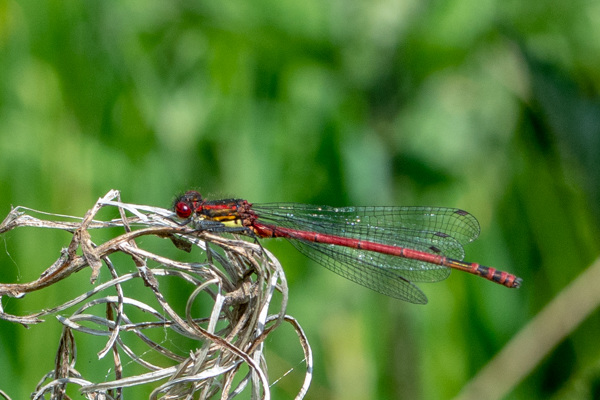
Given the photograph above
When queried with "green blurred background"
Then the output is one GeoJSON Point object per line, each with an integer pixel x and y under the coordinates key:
{"type": "Point", "coordinates": [491, 106]}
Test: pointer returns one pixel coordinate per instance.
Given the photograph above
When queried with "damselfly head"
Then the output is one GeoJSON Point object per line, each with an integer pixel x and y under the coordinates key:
{"type": "Point", "coordinates": [186, 204]}
{"type": "Point", "coordinates": [182, 209]}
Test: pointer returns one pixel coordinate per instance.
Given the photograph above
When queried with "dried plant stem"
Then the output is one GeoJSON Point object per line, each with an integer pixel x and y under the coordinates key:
{"type": "Point", "coordinates": [239, 276]}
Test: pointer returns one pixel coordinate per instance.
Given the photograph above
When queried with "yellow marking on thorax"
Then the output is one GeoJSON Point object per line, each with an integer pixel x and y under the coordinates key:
{"type": "Point", "coordinates": [224, 216]}
{"type": "Point", "coordinates": [227, 220]}
{"type": "Point", "coordinates": [234, 224]}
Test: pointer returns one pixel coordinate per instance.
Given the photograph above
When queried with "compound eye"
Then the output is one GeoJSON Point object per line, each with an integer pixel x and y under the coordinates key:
{"type": "Point", "coordinates": [183, 210]}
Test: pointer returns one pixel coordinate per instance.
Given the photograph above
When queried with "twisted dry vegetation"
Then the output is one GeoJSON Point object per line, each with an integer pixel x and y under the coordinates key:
{"type": "Point", "coordinates": [238, 279]}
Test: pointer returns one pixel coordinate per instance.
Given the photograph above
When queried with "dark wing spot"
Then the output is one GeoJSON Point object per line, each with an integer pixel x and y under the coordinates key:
{"type": "Point", "coordinates": [435, 249]}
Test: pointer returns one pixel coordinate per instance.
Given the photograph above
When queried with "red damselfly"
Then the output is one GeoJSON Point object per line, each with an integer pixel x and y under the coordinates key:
{"type": "Point", "coordinates": [383, 248]}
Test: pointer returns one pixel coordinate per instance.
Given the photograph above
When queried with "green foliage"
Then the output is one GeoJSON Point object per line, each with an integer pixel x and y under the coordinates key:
{"type": "Point", "coordinates": [488, 106]}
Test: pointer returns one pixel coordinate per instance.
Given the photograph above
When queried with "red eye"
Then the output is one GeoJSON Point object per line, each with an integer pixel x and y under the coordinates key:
{"type": "Point", "coordinates": [183, 210]}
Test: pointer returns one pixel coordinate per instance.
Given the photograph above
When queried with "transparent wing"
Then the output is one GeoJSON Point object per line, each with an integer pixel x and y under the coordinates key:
{"type": "Point", "coordinates": [431, 229]}
{"type": "Point", "coordinates": [358, 266]}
